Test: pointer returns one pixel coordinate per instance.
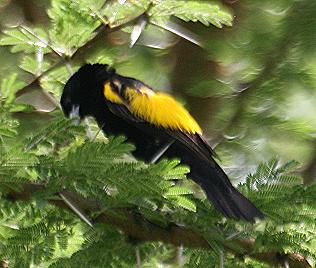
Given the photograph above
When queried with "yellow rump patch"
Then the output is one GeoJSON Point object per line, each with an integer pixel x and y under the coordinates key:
{"type": "Point", "coordinates": [110, 95]}
{"type": "Point", "coordinates": [161, 110]}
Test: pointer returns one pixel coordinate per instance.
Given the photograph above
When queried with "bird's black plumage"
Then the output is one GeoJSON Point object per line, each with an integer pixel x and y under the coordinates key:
{"type": "Point", "coordinates": [85, 91]}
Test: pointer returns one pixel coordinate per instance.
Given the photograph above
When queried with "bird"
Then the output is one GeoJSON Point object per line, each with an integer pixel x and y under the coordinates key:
{"type": "Point", "coordinates": [158, 125]}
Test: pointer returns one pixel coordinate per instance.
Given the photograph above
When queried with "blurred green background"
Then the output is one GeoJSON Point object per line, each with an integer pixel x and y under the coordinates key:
{"type": "Point", "coordinates": [251, 85]}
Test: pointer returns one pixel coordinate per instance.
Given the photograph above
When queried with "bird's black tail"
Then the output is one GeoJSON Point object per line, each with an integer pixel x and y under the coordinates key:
{"type": "Point", "coordinates": [232, 204]}
{"type": "Point", "coordinates": [213, 180]}
{"type": "Point", "coordinates": [224, 196]}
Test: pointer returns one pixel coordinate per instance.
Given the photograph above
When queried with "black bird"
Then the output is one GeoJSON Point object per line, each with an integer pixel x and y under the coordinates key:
{"type": "Point", "coordinates": [156, 124]}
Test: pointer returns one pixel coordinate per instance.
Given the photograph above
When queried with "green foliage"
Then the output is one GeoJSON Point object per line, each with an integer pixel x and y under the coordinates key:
{"type": "Point", "coordinates": [9, 87]}
{"type": "Point", "coordinates": [205, 12]}
{"type": "Point", "coordinates": [24, 40]}
{"type": "Point", "coordinates": [7, 127]}
{"type": "Point", "coordinates": [99, 170]}
{"type": "Point", "coordinates": [117, 14]}
{"type": "Point", "coordinates": [261, 72]}
{"type": "Point", "coordinates": [67, 15]}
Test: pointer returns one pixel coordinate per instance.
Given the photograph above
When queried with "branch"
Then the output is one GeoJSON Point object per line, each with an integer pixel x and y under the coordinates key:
{"type": "Point", "coordinates": [134, 225]}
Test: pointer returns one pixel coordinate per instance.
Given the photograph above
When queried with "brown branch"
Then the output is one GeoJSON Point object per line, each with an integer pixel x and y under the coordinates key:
{"type": "Point", "coordinates": [136, 226]}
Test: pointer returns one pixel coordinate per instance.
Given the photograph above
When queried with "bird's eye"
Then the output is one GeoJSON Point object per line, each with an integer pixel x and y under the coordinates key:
{"type": "Point", "coordinates": [116, 87]}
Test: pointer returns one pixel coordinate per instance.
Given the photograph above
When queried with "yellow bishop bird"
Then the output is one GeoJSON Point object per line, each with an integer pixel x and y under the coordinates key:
{"type": "Point", "coordinates": [157, 125]}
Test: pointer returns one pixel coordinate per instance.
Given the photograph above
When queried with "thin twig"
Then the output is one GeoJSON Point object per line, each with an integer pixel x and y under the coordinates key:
{"type": "Point", "coordinates": [221, 259]}
{"type": "Point", "coordinates": [179, 256]}
{"type": "Point", "coordinates": [138, 259]}
{"type": "Point", "coordinates": [75, 209]}
{"type": "Point", "coordinates": [43, 41]}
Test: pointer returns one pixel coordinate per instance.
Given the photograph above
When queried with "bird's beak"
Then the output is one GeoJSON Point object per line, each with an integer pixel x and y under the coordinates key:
{"type": "Point", "coordinates": [74, 114]}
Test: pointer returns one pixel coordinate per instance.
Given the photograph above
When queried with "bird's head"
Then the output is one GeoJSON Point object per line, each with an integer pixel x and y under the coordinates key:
{"type": "Point", "coordinates": [83, 92]}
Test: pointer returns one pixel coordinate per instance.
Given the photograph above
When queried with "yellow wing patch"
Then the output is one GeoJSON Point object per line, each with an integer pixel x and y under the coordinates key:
{"type": "Point", "coordinates": [161, 110]}
{"type": "Point", "coordinates": [110, 95]}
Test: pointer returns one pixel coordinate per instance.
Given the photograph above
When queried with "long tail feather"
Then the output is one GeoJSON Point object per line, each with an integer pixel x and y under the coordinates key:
{"type": "Point", "coordinates": [214, 181]}
{"type": "Point", "coordinates": [225, 198]}
{"type": "Point", "coordinates": [233, 204]}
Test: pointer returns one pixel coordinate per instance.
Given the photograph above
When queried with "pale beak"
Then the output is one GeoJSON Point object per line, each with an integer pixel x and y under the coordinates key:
{"type": "Point", "coordinates": [74, 114]}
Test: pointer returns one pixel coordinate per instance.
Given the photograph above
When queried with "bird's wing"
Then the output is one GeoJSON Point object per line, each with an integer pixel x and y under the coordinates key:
{"type": "Point", "coordinates": [196, 143]}
{"type": "Point", "coordinates": [159, 110]}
